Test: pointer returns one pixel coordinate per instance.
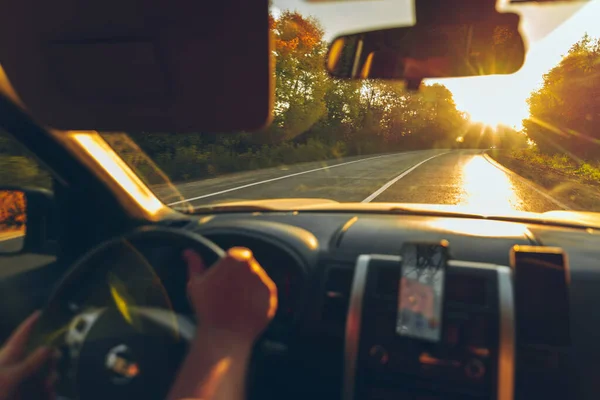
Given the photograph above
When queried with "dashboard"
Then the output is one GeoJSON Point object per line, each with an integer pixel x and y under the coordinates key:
{"type": "Point", "coordinates": [337, 275]}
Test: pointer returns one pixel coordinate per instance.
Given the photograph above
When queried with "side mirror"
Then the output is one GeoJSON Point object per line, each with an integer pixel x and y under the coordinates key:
{"type": "Point", "coordinates": [27, 221]}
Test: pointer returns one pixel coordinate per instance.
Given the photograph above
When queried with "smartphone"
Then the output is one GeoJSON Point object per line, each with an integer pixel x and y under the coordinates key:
{"type": "Point", "coordinates": [421, 292]}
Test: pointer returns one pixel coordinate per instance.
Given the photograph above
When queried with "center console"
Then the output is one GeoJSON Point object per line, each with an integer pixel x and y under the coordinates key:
{"type": "Point", "coordinates": [474, 357]}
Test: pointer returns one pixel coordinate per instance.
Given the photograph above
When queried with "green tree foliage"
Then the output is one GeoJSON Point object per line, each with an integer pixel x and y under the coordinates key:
{"type": "Point", "coordinates": [18, 167]}
{"type": "Point", "coordinates": [565, 110]}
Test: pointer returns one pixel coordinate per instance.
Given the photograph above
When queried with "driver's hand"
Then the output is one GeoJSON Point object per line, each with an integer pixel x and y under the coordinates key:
{"type": "Point", "coordinates": [16, 370]}
{"type": "Point", "coordinates": [235, 296]}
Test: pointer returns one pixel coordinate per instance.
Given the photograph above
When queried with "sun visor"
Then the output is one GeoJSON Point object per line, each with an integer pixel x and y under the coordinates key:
{"type": "Point", "coordinates": [140, 65]}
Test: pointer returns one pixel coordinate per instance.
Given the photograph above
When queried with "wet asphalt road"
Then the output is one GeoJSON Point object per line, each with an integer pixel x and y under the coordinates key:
{"type": "Point", "coordinates": [457, 177]}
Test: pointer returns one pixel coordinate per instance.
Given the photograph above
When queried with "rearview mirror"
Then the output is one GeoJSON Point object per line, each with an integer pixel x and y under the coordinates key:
{"type": "Point", "coordinates": [493, 46]}
{"type": "Point", "coordinates": [26, 221]}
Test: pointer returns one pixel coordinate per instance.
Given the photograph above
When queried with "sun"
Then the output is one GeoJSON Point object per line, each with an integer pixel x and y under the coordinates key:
{"type": "Point", "coordinates": [490, 100]}
{"type": "Point", "coordinates": [502, 99]}
{"type": "Point", "coordinates": [492, 116]}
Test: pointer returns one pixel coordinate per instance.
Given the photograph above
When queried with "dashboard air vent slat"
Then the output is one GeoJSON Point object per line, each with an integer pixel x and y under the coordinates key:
{"type": "Point", "coordinates": [338, 282]}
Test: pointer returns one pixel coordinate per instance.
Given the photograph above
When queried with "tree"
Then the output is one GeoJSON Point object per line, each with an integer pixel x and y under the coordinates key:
{"type": "Point", "coordinates": [12, 209]}
{"type": "Point", "coordinates": [301, 82]}
{"type": "Point", "coordinates": [565, 111]}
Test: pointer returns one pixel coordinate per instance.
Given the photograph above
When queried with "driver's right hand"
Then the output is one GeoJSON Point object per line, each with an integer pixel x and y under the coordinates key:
{"type": "Point", "coordinates": [234, 297]}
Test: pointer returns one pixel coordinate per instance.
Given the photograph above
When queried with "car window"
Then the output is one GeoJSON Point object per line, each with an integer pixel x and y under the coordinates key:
{"type": "Point", "coordinates": [18, 169]}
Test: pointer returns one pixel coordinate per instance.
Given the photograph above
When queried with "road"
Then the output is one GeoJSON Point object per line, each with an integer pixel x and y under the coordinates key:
{"type": "Point", "coordinates": [456, 177]}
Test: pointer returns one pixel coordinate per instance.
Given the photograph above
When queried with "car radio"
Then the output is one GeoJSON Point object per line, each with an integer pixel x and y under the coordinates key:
{"type": "Point", "coordinates": [421, 326]}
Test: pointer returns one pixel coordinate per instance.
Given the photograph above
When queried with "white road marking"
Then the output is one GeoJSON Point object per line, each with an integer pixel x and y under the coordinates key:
{"type": "Point", "coordinates": [284, 177]}
{"type": "Point", "coordinates": [396, 179]}
{"type": "Point", "coordinates": [525, 181]}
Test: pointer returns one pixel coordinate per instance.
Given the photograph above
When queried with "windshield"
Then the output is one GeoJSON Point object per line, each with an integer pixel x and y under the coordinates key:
{"type": "Point", "coordinates": [492, 144]}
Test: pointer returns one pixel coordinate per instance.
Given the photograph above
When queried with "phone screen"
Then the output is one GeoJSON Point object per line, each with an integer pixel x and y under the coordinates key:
{"type": "Point", "coordinates": [421, 291]}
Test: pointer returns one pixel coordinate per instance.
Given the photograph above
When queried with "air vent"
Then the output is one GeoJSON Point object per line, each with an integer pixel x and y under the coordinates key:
{"type": "Point", "coordinates": [338, 282]}
{"type": "Point", "coordinates": [387, 281]}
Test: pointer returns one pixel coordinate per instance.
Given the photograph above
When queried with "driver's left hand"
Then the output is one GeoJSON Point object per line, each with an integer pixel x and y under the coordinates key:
{"type": "Point", "coordinates": [18, 370]}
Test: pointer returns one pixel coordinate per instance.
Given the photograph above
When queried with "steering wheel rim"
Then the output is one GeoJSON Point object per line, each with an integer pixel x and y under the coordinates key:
{"type": "Point", "coordinates": [51, 321]}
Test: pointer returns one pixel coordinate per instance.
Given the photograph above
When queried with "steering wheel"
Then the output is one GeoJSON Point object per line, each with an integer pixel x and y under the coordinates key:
{"type": "Point", "coordinates": [123, 324]}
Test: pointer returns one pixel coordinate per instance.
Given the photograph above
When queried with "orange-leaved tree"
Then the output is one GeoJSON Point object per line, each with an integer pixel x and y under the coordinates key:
{"type": "Point", "coordinates": [301, 81]}
{"type": "Point", "coordinates": [12, 210]}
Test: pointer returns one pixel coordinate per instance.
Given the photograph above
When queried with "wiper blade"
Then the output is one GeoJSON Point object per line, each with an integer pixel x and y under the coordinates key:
{"type": "Point", "coordinates": [230, 208]}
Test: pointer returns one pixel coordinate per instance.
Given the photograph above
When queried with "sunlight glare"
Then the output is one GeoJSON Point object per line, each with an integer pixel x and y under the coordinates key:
{"type": "Point", "coordinates": [487, 99]}
{"type": "Point", "coordinates": [486, 189]}
{"type": "Point", "coordinates": [478, 228]}
{"type": "Point", "coordinates": [117, 169]}
{"type": "Point", "coordinates": [502, 98]}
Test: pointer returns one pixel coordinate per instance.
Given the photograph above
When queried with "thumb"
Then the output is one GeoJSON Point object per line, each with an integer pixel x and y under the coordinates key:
{"type": "Point", "coordinates": [32, 364]}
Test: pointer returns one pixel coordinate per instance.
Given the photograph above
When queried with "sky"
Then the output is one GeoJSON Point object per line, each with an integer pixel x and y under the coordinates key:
{"type": "Point", "coordinates": [549, 31]}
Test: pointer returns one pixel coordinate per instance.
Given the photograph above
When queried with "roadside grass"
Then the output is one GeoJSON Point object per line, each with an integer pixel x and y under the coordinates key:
{"type": "Point", "coordinates": [184, 164]}
{"type": "Point", "coordinates": [588, 172]}
{"type": "Point", "coordinates": [575, 183]}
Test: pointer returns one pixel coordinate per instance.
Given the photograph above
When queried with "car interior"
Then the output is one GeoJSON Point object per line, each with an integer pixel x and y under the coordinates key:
{"type": "Point", "coordinates": [516, 318]}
